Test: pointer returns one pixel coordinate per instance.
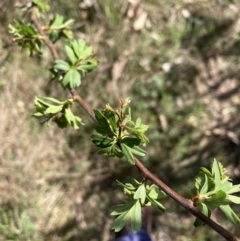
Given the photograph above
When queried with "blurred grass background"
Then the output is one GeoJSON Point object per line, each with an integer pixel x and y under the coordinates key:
{"type": "Point", "coordinates": [179, 63]}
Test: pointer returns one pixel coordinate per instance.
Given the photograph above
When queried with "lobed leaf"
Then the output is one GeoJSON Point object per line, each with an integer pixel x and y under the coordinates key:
{"type": "Point", "coordinates": [130, 210]}
{"type": "Point", "coordinates": [61, 65]}
{"type": "Point", "coordinates": [72, 78]}
{"type": "Point", "coordinates": [140, 193]}
{"type": "Point", "coordinates": [71, 55]}
{"type": "Point", "coordinates": [71, 119]}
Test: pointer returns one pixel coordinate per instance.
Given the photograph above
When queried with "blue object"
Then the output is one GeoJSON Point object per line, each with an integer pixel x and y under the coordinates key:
{"type": "Point", "coordinates": [141, 235]}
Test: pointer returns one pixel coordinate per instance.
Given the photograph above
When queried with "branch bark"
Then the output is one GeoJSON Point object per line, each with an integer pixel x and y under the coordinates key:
{"type": "Point", "coordinates": [186, 203]}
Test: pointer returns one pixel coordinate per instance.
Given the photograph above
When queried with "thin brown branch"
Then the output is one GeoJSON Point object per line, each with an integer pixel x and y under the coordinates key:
{"type": "Point", "coordinates": [83, 104]}
{"type": "Point", "coordinates": [186, 203]}
{"type": "Point", "coordinates": [45, 38]}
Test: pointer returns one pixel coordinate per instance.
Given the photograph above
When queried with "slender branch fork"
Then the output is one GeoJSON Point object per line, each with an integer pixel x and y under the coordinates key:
{"type": "Point", "coordinates": [186, 203]}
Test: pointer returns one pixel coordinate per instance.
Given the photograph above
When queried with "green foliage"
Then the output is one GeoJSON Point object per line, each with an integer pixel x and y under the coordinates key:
{"type": "Point", "coordinates": [80, 60]}
{"type": "Point", "coordinates": [130, 210]}
{"type": "Point", "coordinates": [59, 28]}
{"type": "Point", "coordinates": [26, 37]}
{"type": "Point", "coordinates": [42, 5]}
{"type": "Point", "coordinates": [214, 190]}
{"type": "Point", "coordinates": [50, 109]}
{"type": "Point", "coordinates": [140, 194]}
{"type": "Point", "coordinates": [118, 134]}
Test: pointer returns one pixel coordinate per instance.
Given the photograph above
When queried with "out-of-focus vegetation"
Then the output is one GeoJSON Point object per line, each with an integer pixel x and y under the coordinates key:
{"type": "Point", "coordinates": [179, 63]}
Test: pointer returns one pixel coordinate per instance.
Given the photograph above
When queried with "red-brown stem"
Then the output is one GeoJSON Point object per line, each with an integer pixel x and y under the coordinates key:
{"type": "Point", "coordinates": [186, 203]}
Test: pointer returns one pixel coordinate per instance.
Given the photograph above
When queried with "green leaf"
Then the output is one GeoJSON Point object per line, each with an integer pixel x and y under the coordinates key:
{"type": "Point", "coordinates": [204, 209]}
{"type": "Point", "coordinates": [204, 188]}
{"type": "Point", "coordinates": [216, 173]}
{"type": "Point", "coordinates": [198, 223]}
{"type": "Point", "coordinates": [71, 54]}
{"type": "Point", "coordinates": [127, 153]}
{"type": "Point", "coordinates": [58, 28]}
{"type": "Point", "coordinates": [138, 122]}
{"type": "Point", "coordinates": [155, 196]}
{"type": "Point", "coordinates": [234, 189]}
{"type": "Point", "coordinates": [88, 65]}
{"type": "Point", "coordinates": [78, 47]}
{"type": "Point", "coordinates": [124, 212]}
{"type": "Point", "coordinates": [26, 37]}
{"type": "Point", "coordinates": [71, 119]}
{"type": "Point", "coordinates": [123, 208]}
{"type": "Point", "coordinates": [130, 210]}
{"type": "Point", "coordinates": [120, 221]}
{"type": "Point", "coordinates": [225, 186]}
{"type": "Point", "coordinates": [155, 193]}
{"type": "Point", "coordinates": [104, 127]}
{"type": "Point", "coordinates": [104, 130]}
{"type": "Point", "coordinates": [113, 119]}
{"type": "Point", "coordinates": [72, 78]}
{"type": "Point", "coordinates": [55, 100]}
{"type": "Point", "coordinates": [140, 135]}
{"type": "Point", "coordinates": [128, 186]}
{"type": "Point", "coordinates": [136, 217]}
{"type": "Point", "coordinates": [81, 50]}
{"type": "Point", "coordinates": [57, 23]}
{"type": "Point", "coordinates": [102, 141]}
{"type": "Point", "coordinates": [157, 203]}
{"type": "Point", "coordinates": [111, 152]}
{"type": "Point", "coordinates": [230, 214]}
{"type": "Point", "coordinates": [67, 23]}
{"type": "Point", "coordinates": [233, 199]}
{"type": "Point", "coordinates": [131, 141]}
{"type": "Point", "coordinates": [62, 65]}
{"type": "Point", "coordinates": [76, 79]}
{"type": "Point", "coordinates": [140, 193]}
{"type": "Point", "coordinates": [206, 171]}
{"type": "Point", "coordinates": [53, 109]}
{"type": "Point", "coordinates": [138, 151]}
{"type": "Point", "coordinates": [216, 200]}
{"type": "Point", "coordinates": [101, 119]}
{"type": "Point", "coordinates": [38, 114]}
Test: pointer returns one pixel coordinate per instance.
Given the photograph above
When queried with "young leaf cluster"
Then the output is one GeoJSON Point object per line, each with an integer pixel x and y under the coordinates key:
{"type": "Point", "coordinates": [59, 28]}
{"type": "Point", "coordinates": [118, 135]}
{"type": "Point", "coordinates": [140, 195]}
{"type": "Point", "coordinates": [215, 190]}
{"type": "Point", "coordinates": [50, 109]}
{"type": "Point", "coordinates": [81, 61]}
{"type": "Point", "coordinates": [26, 37]}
